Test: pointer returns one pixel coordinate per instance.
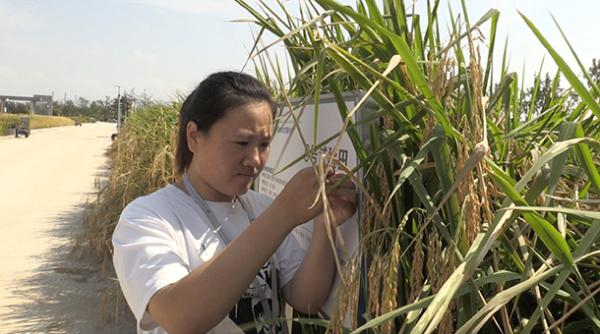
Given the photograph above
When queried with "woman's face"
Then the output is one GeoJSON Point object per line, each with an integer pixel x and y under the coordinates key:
{"type": "Point", "coordinates": [228, 157]}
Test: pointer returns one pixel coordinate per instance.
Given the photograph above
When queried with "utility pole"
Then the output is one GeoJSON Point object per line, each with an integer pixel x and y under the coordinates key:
{"type": "Point", "coordinates": [118, 109]}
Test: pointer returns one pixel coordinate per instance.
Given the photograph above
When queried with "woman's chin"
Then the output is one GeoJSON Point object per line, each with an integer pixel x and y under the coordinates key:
{"type": "Point", "coordinates": [243, 190]}
{"type": "Point", "coordinates": [240, 190]}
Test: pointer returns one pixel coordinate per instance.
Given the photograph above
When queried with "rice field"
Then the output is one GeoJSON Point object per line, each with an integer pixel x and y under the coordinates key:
{"type": "Point", "coordinates": [480, 212]}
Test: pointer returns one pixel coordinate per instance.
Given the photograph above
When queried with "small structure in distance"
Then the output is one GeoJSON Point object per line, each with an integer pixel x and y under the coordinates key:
{"type": "Point", "coordinates": [40, 104]}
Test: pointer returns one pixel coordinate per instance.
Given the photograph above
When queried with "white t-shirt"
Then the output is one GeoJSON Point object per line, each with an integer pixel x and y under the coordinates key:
{"type": "Point", "coordinates": [162, 237]}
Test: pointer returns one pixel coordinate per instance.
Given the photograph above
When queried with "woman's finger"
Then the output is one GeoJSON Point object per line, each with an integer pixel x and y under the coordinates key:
{"type": "Point", "coordinates": [340, 181]}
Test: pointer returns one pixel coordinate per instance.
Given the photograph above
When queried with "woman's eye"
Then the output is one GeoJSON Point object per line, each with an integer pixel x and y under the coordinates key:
{"type": "Point", "coordinates": [265, 145]}
{"type": "Point", "coordinates": [242, 143]}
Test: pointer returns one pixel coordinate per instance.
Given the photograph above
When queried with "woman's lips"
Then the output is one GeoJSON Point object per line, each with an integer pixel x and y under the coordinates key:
{"type": "Point", "coordinates": [248, 173]}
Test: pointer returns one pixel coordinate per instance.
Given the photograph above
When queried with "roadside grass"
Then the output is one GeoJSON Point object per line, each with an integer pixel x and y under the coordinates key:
{"type": "Point", "coordinates": [9, 121]}
{"type": "Point", "coordinates": [141, 160]}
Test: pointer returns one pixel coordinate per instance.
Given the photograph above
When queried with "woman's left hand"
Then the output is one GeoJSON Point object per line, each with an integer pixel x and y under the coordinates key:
{"type": "Point", "coordinates": [343, 198]}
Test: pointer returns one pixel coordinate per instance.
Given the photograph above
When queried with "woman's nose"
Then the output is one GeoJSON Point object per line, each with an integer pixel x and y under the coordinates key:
{"type": "Point", "coordinates": [253, 157]}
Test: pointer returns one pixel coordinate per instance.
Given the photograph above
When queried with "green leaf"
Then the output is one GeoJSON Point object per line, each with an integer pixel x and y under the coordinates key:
{"type": "Point", "coordinates": [403, 49]}
{"type": "Point", "coordinates": [585, 155]}
{"type": "Point", "coordinates": [546, 231]}
{"type": "Point", "coordinates": [565, 69]}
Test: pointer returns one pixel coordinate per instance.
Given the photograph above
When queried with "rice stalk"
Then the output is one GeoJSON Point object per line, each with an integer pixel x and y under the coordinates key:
{"type": "Point", "coordinates": [461, 179]}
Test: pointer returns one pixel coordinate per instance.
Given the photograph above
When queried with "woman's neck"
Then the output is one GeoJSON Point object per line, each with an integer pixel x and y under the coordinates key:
{"type": "Point", "coordinates": [206, 191]}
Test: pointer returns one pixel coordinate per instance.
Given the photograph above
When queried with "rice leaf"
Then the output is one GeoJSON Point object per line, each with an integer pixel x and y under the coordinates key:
{"type": "Point", "coordinates": [565, 69]}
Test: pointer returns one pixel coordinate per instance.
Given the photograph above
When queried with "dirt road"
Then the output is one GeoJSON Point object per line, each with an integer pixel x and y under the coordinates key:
{"type": "Point", "coordinates": [45, 182]}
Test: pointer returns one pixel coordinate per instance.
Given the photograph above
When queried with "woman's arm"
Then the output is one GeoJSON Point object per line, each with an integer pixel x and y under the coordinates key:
{"type": "Point", "coordinates": [311, 285]}
{"type": "Point", "coordinates": [199, 301]}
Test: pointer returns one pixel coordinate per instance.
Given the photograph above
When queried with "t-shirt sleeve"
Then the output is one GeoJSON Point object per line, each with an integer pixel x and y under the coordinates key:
{"type": "Point", "coordinates": [146, 258]}
{"type": "Point", "coordinates": [290, 256]}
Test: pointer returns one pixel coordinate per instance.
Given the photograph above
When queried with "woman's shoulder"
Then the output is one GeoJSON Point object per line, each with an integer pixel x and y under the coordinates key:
{"type": "Point", "coordinates": [166, 209]}
{"type": "Point", "coordinates": [165, 199]}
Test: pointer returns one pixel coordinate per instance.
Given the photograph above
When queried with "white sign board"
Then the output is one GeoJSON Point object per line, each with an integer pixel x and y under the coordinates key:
{"type": "Point", "coordinates": [287, 147]}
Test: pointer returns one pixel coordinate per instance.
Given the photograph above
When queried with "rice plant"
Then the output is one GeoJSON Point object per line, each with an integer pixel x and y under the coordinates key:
{"type": "Point", "coordinates": [479, 214]}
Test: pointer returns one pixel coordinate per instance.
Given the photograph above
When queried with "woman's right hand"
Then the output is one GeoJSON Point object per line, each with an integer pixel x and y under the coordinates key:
{"type": "Point", "coordinates": [298, 197]}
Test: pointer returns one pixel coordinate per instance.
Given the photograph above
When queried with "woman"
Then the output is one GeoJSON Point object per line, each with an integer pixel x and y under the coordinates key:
{"type": "Point", "coordinates": [207, 254]}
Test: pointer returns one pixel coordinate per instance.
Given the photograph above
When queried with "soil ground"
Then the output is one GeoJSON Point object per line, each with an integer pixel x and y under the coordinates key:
{"type": "Point", "coordinates": [46, 183]}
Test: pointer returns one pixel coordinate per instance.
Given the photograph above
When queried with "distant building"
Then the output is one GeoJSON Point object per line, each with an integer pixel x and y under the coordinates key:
{"type": "Point", "coordinates": [40, 104]}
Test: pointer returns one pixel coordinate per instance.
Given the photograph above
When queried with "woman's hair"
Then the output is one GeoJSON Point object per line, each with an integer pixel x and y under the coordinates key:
{"type": "Point", "coordinates": [210, 101]}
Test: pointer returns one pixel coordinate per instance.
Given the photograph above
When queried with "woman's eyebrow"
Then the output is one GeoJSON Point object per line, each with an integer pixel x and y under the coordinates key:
{"type": "Point", "coordinates": [249, 133]}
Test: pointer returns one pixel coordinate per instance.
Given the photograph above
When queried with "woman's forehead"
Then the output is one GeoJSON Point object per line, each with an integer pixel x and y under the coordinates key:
{"type": "Point", "coordinates": [255, 112]}
{"type": "Point", "coordinates": [247, 120]}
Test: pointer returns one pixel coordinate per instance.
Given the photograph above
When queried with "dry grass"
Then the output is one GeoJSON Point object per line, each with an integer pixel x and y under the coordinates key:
{"type": "Point", "coordinates": [141, 160]}
{"type": "Point", "coordinates": [8, 121]}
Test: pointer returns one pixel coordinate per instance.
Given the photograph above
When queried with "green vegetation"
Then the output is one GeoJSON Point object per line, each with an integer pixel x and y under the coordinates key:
{"type": "Point", "coordinates": [480, 197]}
{"type": "Point", "coordinates": [102, 110]}
{"type": "Point", "coordinates": [8, 121]}
{"type": "Point", "coordinates": [479, 210]}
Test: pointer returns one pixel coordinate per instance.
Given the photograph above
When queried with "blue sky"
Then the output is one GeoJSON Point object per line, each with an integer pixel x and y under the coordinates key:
{"type": "Point", "coordinates": [87, 47]}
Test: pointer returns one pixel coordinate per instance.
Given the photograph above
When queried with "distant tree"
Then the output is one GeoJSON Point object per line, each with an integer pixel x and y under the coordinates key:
{"type": "Point", "coordinates": [57, 108]}
{"type": "Point", "coordinates": [546, 89]}
{"type": "Point", "coordinates": [109, 114]}
{"type": "Point", "coordinates": [82, 103]}
{"type": "Point", "coordinates": [127, 100]}
{"type": "Point", "coordinates": [144, 99]}
{"type": "Point", "coordinates": [97, 109]}
{"type": "Point", "coordinates": [103, 110]}
{"type": "Point", "coordinates": [70, 109]}
{"type": "Point", "coordinates": [595, 71]}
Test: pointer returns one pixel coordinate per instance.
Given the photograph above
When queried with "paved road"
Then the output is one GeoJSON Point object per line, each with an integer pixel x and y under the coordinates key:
{"type": "Point", "coordinates": [45, 181]}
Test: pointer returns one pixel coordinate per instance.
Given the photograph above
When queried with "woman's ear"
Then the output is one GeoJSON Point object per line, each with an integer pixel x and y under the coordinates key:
{"type": "Point", "coordinates": [191, 134]}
